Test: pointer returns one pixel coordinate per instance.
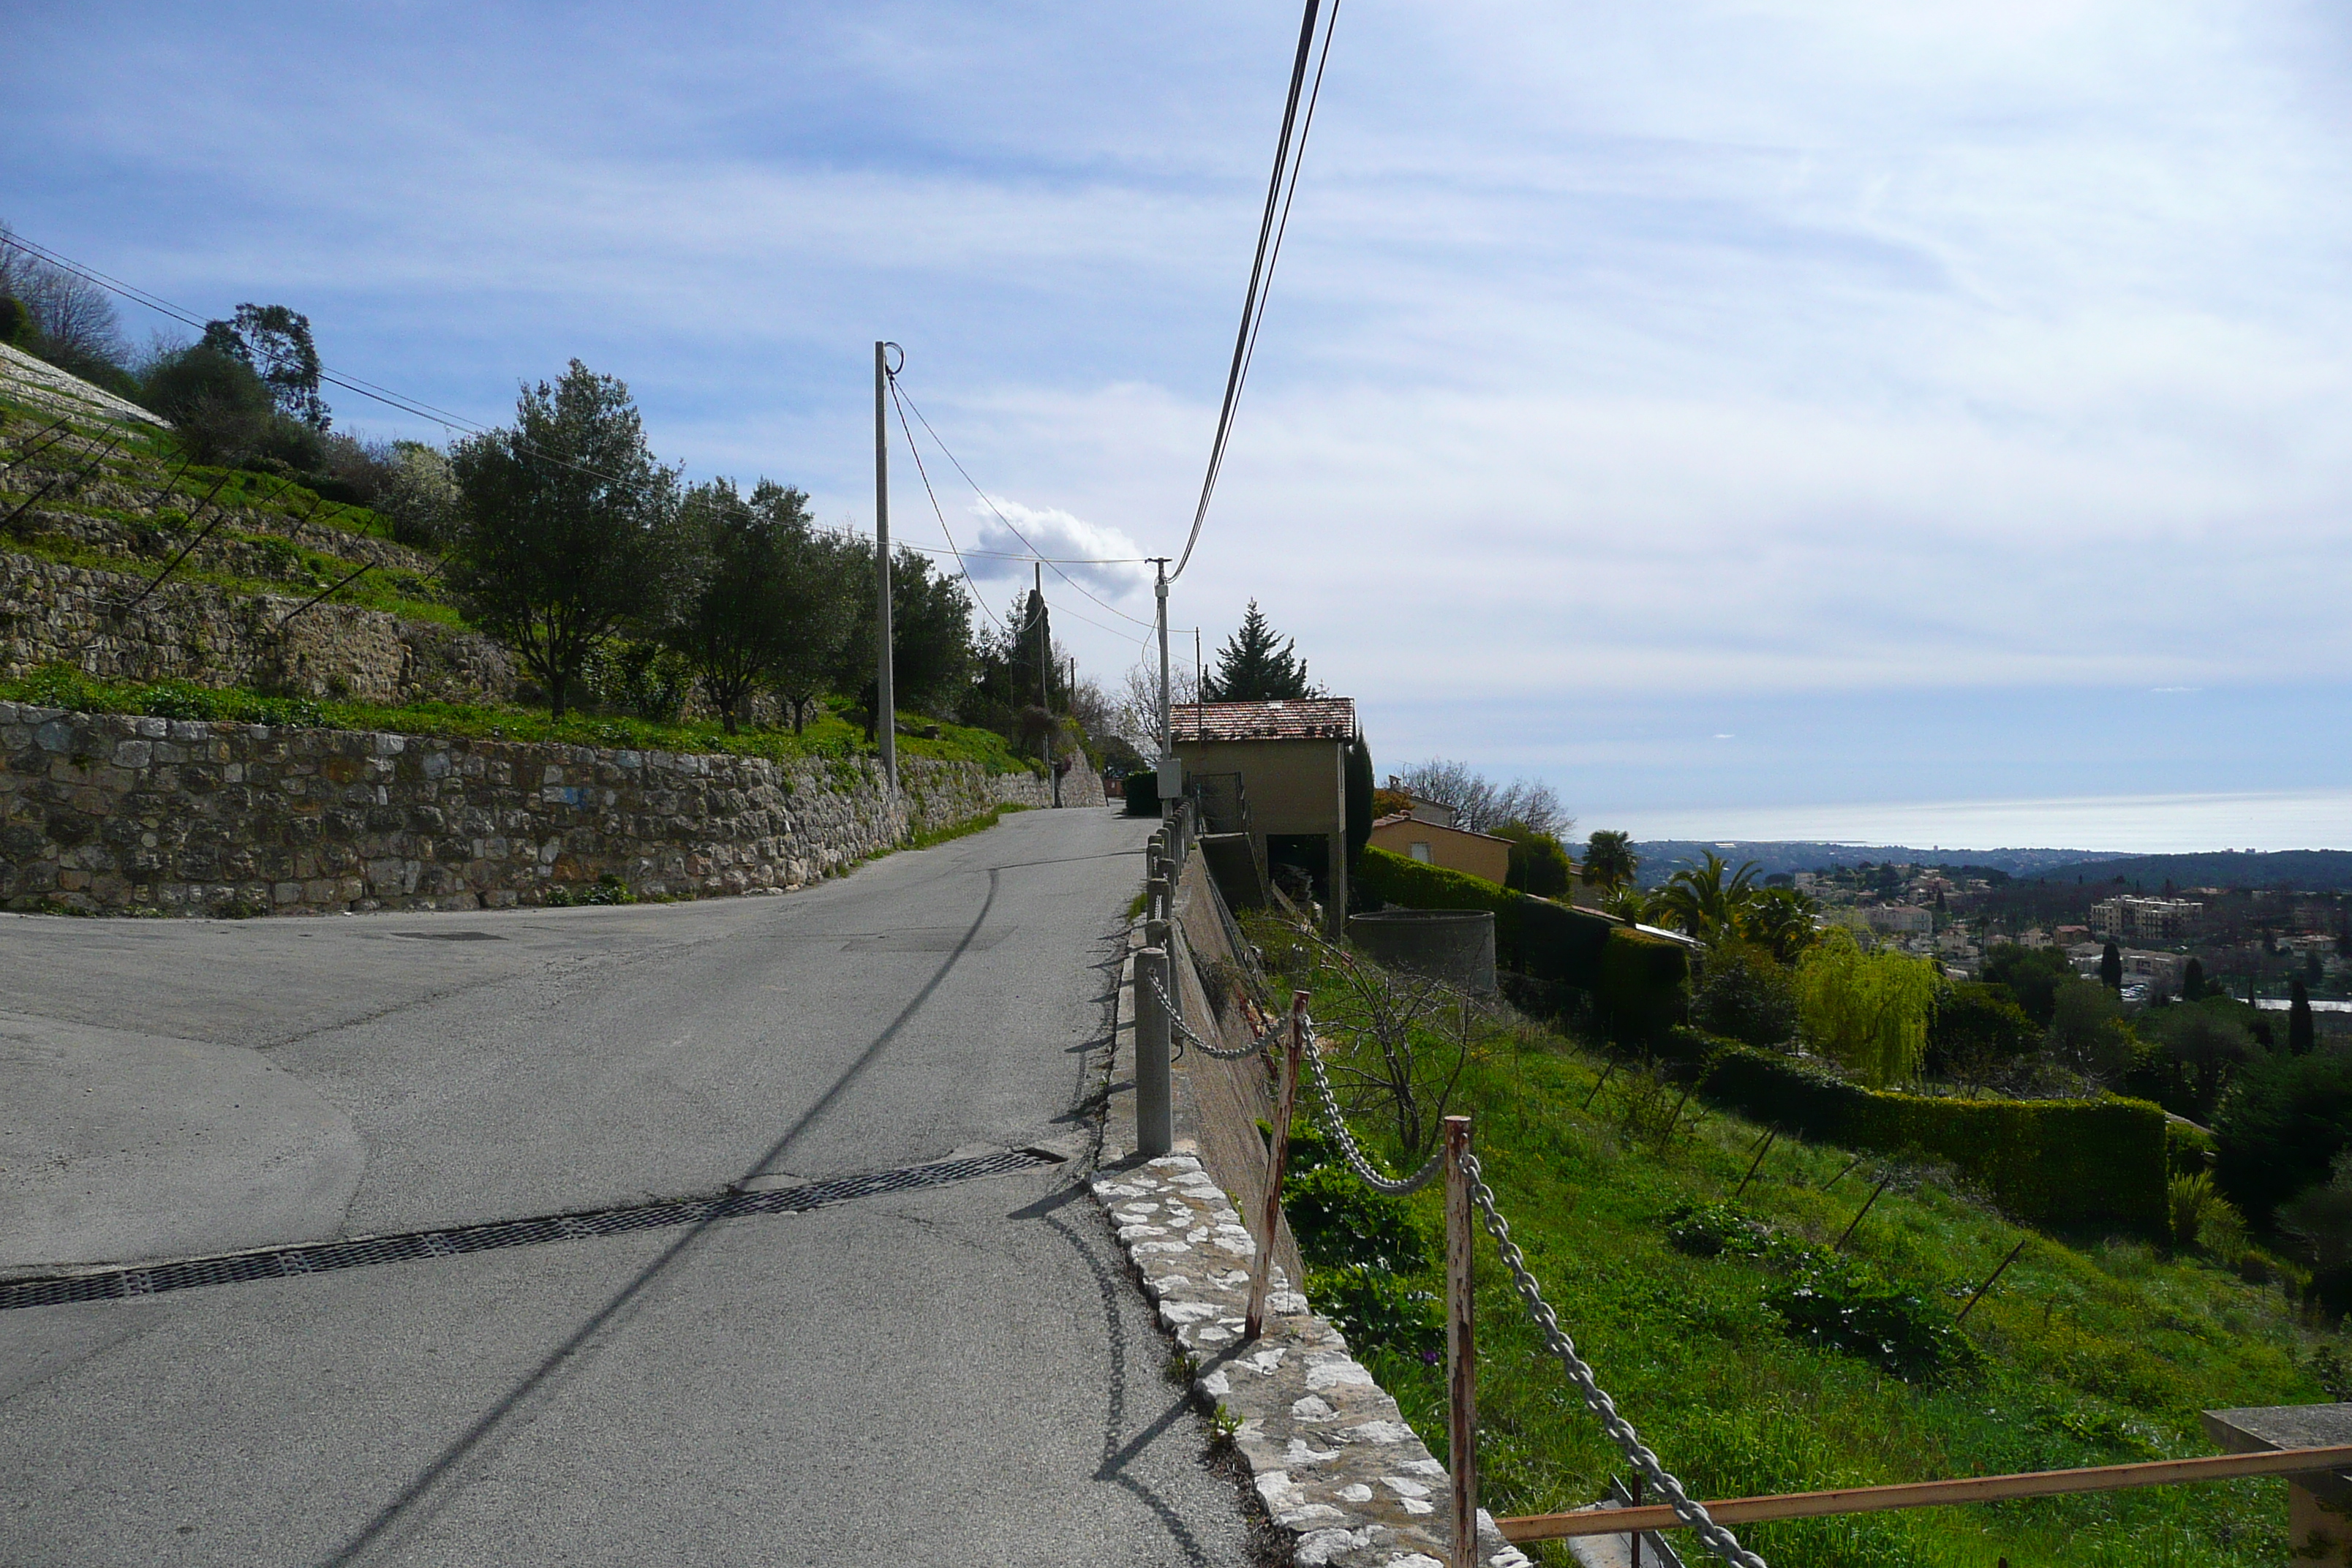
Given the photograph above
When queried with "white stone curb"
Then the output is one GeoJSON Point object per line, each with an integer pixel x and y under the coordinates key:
{"type": "Point", "coordinates": [1340, 1471]}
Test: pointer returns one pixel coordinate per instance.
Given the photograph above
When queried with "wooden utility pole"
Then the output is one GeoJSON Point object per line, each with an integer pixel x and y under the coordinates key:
{"type": "Point", "coordinates": [886, 702]}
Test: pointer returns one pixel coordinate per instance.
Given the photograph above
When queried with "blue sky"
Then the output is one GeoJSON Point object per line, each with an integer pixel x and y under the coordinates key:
{"type": "Point", "coordinates": [1742, 413]}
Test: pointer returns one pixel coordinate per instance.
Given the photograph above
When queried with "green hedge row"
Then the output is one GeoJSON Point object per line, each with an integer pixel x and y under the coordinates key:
{"type": "Point", "coordinates": [2062, 1163]}
{"type": "Point", "coordinates": [1636, 981]}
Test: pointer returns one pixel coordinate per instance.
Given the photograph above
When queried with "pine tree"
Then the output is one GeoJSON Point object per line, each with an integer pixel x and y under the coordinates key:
{"type": "Point", "coordinates": [1251, 668]}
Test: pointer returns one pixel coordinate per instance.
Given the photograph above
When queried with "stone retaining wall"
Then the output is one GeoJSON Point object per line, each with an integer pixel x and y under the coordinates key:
{"type": "Point", "coordinates": [53, 613]}
{"type": "Point", "coordinates": [119, 814]}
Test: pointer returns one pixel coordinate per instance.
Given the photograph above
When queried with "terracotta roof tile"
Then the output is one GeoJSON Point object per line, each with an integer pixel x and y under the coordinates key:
{"type": "Point", "coordinates": [1298, 718]}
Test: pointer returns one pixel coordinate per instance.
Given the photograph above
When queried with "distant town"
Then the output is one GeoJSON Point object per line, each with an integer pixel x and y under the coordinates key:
{"type": "Point", "coordinates": [2254, 943]}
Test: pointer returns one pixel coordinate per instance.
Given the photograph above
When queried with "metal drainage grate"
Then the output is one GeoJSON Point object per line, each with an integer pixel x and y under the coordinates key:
{"type": "Point", "coordinates": [276, 1262]}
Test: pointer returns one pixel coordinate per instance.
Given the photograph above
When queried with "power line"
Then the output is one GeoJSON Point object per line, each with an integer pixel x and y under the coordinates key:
{"type": "Point", "coordinates": [449, 422]}
{"type": "Point", "coordinates": [1036, 554]}
{"type": "Point", "coordinates": [1271, 228]}
{"type": "Point", "coordinates": [961, 570]}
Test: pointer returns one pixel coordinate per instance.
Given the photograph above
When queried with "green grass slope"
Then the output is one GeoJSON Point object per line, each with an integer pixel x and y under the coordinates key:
{"type": "Point", "coordinates": [1755, 1357]}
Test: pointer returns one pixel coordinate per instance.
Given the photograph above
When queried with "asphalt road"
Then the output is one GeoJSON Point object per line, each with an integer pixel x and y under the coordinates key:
{"type": "Point", "coordinates": [962, 1373]}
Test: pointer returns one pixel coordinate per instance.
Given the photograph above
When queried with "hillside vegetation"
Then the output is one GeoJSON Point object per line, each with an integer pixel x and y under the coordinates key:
{"type": "Point", "coordinates": [1753, 1352]}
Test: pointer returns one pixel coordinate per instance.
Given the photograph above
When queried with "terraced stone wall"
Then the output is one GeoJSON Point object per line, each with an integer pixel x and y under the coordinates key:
{"type": "Point", "coordinates": [117, 814]}
{"type": "Point", "coordinates": [51, 613]}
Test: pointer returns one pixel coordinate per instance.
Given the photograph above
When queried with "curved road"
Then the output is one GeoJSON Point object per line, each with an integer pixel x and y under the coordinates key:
{"type": "Point", "coordinates": [959, 1374]}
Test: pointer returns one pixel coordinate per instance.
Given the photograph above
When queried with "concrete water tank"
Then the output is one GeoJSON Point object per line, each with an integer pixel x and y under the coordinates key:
{"type": "Point", "coordinates": [1456, 946]}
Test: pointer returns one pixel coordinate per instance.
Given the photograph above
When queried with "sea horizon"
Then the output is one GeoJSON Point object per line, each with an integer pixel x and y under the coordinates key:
{"type": "Point", "coordinates": [2259, 820]}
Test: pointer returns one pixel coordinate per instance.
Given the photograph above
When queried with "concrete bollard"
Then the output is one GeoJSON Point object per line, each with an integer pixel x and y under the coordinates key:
{"type": "Point", "coordinates": [1155, 1119]}
{"type": "Point", "coordinates": [1155, 899]}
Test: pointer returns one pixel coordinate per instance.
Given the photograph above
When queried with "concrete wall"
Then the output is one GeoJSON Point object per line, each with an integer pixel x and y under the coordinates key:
{"type": "Point", "coordinates": [57, 614]}
{"type": "Point", "coordinates": [110, 812]}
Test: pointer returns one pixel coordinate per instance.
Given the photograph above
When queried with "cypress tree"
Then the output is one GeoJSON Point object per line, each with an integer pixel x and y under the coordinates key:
{"type": "Point", "coordinates": [2298, 1019]}
{"type": "Point", "coordinates": [2111, 968]}
{"type": "Point", "coordinates": [2192, 982]}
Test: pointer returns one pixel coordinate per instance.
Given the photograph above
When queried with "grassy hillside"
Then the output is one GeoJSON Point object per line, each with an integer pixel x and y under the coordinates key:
{"type": "Point", "coordinates": [1755, 1357]}
{"type": "Point", "coordinates": [828, 734]}
{"type": "Point", "coordinates": [117, 499]}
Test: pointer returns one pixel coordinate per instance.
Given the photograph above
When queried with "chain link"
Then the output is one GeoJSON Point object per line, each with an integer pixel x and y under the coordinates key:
{"type": "Point", "coordinates": [1366, 1172]}
{"type": "Point", "coordinates": [1718, 1539]}
{"type": "Point", "coordinates": [1176, 1022]}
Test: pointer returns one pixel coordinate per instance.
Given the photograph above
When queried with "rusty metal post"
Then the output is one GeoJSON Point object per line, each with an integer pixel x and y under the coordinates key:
{"type": "Point", "coordinates": [1461, 1349]}
{"type": "Point", "coordinates": [1276, 1160]}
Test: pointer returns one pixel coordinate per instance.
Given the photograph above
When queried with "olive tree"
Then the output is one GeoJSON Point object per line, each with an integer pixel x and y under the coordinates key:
{"type": "Point", "coordinates": [768, 602]}
{"type": "Point", "coordinates": [569, 527]}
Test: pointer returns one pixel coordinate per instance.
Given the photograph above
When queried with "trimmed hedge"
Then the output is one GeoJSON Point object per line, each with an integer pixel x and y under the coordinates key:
{"type": "Point", "coordinates": [1636, 981]}
{"type": "Point", "coordinates": [2061, 1163]}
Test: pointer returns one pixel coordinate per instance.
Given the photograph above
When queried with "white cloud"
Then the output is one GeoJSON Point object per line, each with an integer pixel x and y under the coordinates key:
{"type": "Point", "coordinates": [1104, 560]}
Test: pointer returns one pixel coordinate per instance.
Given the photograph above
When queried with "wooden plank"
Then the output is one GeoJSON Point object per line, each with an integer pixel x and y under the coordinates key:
{"type": "Point", "coordinates": [1277, 1159]}
{"type": "Point", "coordinates": [1933, 1494]}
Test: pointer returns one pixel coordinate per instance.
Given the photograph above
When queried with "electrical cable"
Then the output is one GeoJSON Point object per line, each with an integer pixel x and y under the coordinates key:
{"type": "Point", "coordinates": [1036, 554]}
{"type": "Point", "coordinates": [451, 423]}
{"type": "Point", "coordinates": [1272, 225]}
{"type": "Point", "coordinates": [961, 570]}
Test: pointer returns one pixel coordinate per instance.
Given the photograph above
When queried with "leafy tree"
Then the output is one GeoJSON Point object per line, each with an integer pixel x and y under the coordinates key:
{"type": "Point", "coordinates": [767, 598]}
{"type": "Point", "coordinates": [221, 408]}
{"type": "Point", "coordinates": [2111, 968]}
{"type": "Point", "coordinates": [1538, 863]}
{"type": "Point", "coordinates": [1705, 901]}
{"type": "Point", "coordinates": [1258, 664]}
{"type": "Point", "coordinates": [1977, 1029]}
{"type": "Point", "coordinates": [1868, 1011]}
{"type": "Point", "coordinates": [569, 527]}
{"type": "Point", "coordinates": [1481, 806]}
{"type": "Point", "coordinates": [2209, 1042]}
{"type": "Point", "coordinates": [2087, 1028]}
{"type": "Point", "coordinates": [2298, 1018]}
{"type": "Point", "coordinates": [2279, 1129]}
{"type": "Point", "coordinates": [1610, 862]}
{"type": "Point", "coordinates": [276, 341]}
{"type": "Point", "coordinates": [931, 633]}
{"type": "Point", "coordinates": [2033, 976]}
{"type": "Point", "coordinates": [1744, 994]}
{"type": "Point", "coordinates": [2192, 982]}
{"type": "Point", "coordinates": [1780, 921]}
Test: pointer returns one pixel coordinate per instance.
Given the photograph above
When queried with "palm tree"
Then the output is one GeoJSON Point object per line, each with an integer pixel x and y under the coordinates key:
{"type": "Point", "coordinates": [1609, 860]}
{"type": "Point", "coordinates": [1701, 901]}
{"type": "Point", "coordinates": [1780, 921]}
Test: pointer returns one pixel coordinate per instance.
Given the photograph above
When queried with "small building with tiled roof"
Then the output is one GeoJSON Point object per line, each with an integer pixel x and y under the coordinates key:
{"type": "Point", "coordinates": [1414, 837]}
{"type": "Point", "coordinates": [1283, 763]}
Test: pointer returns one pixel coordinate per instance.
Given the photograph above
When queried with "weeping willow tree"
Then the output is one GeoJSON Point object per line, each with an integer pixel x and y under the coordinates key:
{"type": "Point", "coordinates": [1866, 1011]}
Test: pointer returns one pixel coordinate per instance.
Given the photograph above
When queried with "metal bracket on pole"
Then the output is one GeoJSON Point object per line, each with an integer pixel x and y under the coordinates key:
{"type": "Point", "coordinates": [1461, 1350]}
{"type": "Point", "coordinates": [1155, 1117]}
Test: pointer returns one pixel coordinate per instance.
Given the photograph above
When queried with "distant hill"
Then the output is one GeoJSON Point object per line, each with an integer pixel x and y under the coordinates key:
{"type": "Point", "coordinates": [2308, 871]}
{"type": "Point", "coordinates": [1661, 857]}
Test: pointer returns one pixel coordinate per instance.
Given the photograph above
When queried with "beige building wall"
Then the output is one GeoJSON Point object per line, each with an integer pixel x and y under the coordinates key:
{"type": "Point", "coordinates": [1293, 786]}
{"type": "Point", "coordinates": [1474, 854]}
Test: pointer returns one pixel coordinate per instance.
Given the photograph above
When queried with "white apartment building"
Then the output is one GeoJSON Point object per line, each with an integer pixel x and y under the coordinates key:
{"type": "Point", "coordinates": [1899, 920]}
{"type": "Point", "coordinates": [2132, 918]}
